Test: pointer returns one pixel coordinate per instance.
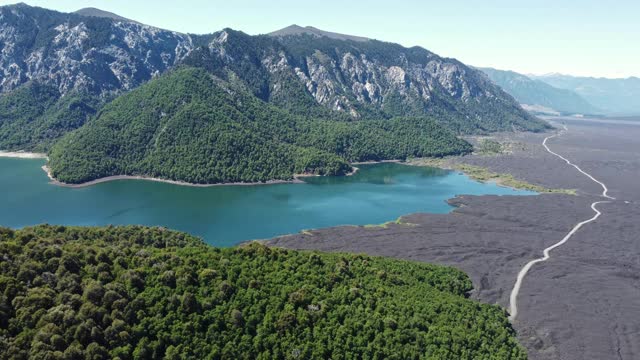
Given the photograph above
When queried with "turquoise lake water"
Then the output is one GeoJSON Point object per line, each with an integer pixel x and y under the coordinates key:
{"type": "Point", "coordinates": [227, 215]}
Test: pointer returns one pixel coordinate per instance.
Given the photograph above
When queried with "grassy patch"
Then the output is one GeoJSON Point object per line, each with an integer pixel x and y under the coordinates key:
{"type": "Point", "coordinates": [489, 147]}
{"type": "Point", "coordinates": [397, 221]}
{"type": "Point", "coordinates": [482, 174]}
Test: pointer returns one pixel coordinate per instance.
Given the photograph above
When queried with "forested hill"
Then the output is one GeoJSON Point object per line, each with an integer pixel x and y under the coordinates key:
{"type": "Point", "coordinates": [193, 126]}
{"type": "Point", "coordinates": [149, 293]}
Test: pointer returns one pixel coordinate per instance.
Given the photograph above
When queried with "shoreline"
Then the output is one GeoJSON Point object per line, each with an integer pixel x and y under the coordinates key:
{"type": "Point", "coordinates": [54, 181]}
{"type": "Point", "coordinates": [377, 162]}
{"type": "Point", "coordinates": [296, 180]}
{"type": "Point", "coordinates": [432, 162]}
{"type": "Point", "coordinates": [22, 155]}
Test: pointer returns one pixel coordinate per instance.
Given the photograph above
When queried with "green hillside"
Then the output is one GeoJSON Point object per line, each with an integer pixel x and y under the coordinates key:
{"type": "Point", "coordinates": [149, 293]}
{"type": "Point", "coordinates": [193, 126]}
{"type": "Point", "coordinates": [34, 116]}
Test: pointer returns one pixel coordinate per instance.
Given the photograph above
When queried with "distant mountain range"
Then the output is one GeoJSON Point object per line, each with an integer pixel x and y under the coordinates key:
{"type": "Point", "coordinates": [567, 95]}
{"type": "Point", "coordinates": [612, 96]}
{"type": "Point", "coordinates": [249, 108]}
{"type": "Point", "coordinates": [538, 96]}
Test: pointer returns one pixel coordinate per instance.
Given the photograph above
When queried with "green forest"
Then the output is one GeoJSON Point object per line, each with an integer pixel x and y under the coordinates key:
{"type": "Point", "coordinates": [193, 126]}
{"type": "Point", "coordinates": [34, 116]}
{"type": "Point", "coordinates": [150, 293]}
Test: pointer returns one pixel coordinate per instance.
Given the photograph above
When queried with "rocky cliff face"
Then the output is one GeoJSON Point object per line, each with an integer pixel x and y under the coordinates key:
{"type": "Point", "coordinates": [87, 53]}
{"type": "Point", "coordinates": [365, 78]}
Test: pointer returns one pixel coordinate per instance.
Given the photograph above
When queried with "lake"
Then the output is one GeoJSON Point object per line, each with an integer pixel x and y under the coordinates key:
{"type": "Point", "coordinates": [227, 215]}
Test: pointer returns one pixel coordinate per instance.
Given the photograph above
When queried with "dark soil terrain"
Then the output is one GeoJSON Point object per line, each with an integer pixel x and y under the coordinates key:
{"type": "Point", "coordinates": [584, 302]}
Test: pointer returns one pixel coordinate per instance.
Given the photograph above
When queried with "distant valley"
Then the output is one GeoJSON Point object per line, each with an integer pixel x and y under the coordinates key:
{"type": "Point", "coordinates": [617, 97]}
{"type": "Point", "coordinates": [539, 97]}
{"type": "Point", "coordinates": [556, 94]}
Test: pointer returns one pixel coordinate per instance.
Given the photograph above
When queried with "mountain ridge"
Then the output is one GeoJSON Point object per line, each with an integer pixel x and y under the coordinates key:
{"type": "Point", "coordinates": [614, 96]}
{"type": "Point", "coordinates": [539, 96]}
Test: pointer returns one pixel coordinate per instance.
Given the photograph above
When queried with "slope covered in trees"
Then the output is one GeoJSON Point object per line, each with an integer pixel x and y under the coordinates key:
{"type": "Point", "coordinates": [34, 116]}
{"type": "Point", "coordinates": [150, 293]}
{"type": "Point", "coordinates": [193, 126]}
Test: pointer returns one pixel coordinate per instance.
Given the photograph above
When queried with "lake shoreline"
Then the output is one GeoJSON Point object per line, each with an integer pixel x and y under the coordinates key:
{"type": "Point", "coordinates": [296, 180]}
{"type": "Point", "coordinates": [218, 214]}
{"type": "Point", "coordinates": [56, 182]}
{"type": "Point", "coordinates": [378, 162]}
{"type": "Point", "coordinates": [22, 155]}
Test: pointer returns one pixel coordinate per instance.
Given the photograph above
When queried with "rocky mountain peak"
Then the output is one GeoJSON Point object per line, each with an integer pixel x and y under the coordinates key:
{"type": "Point", "coordinates": [91, 50]}
{"type": "Point", "coordinates": [310, 30]}
{"type": "Point", "coordinates": [95, 12]}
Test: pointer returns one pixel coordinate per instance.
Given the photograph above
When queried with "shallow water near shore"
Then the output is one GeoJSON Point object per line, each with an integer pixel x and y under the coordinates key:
{"type": "Point", "coordinates": [227, 215]}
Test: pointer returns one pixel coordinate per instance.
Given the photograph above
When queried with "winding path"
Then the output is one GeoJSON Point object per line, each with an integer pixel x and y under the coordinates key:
{"type": "Point", "coordinates": [513, 299]}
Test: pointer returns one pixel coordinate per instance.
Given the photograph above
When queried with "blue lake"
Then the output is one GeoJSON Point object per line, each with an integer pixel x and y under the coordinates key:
{"type": "Point", "coordinates": [227, 215]}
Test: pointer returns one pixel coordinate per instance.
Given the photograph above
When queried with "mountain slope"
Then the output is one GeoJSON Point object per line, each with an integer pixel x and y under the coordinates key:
{"type": "Point", "coordinates": [364, 80]}
{"type": "Point", "coordinates": [191, 126]}
{"type": "Point", "coordinates": [89, 54]}
{"type": "Point", "coordinates": [536, 93]}
{"type": "Point", "coordinates": [614, 96]}
{"type": "Point", "coordinates": [149, 293]}
{"type": "Point", "coordinates": [34, 116]}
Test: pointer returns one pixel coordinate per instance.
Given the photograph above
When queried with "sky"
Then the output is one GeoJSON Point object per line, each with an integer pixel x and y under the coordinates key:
{"type": "Point", "coordinates": [576, 37]}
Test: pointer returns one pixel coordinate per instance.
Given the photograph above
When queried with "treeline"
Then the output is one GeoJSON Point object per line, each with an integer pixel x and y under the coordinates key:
{"type": "Point", "coordinates": [149, 293]}
{"type": "Point", "coordinates": [192, 126]}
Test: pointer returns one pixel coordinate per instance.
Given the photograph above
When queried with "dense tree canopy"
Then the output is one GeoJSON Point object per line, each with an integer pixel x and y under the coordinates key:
{"type": "Point", "coordinates": [149, 293]}
{"type": "Point", "coordinates": [34, 116]}
{"type": "Point", "coordinates": [193, 126]}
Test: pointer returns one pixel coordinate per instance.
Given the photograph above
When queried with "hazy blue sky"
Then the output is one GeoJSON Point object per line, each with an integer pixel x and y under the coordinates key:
{"type": "Point", "coordinates": [578, 37]}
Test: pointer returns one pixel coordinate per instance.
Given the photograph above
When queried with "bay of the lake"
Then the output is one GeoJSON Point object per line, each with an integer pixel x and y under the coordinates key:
{"type": "Point", "coordinates": [227, 215]}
